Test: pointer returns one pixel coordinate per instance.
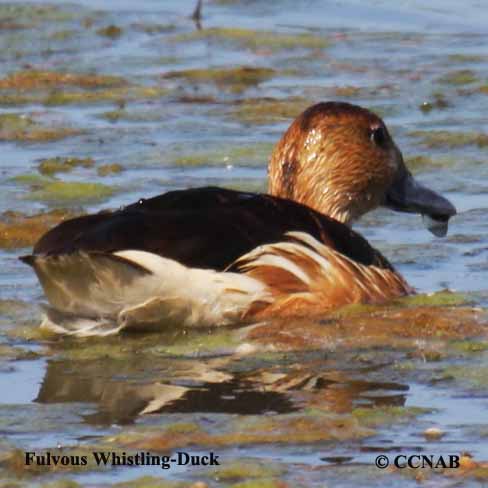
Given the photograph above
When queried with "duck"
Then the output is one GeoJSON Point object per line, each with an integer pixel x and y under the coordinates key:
{"type": "Point", "coordinates": [205, 257]}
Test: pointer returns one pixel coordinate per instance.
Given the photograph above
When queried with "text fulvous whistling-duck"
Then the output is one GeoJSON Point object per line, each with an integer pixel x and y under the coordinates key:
{"type": "Point", "coordinates": [212, 256]}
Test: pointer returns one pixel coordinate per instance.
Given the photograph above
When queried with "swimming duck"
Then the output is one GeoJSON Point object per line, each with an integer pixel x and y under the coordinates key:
{"type": "Point", "coordinates": [213, 256]}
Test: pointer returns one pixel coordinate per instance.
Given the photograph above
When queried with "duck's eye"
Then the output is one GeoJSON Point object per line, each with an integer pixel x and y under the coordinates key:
{"type": "Point", "coordinates": [378, 135]}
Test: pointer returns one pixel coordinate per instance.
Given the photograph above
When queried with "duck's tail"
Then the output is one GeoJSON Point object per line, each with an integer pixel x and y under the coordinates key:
{"type": "Point", "coordinates": [105, 293]}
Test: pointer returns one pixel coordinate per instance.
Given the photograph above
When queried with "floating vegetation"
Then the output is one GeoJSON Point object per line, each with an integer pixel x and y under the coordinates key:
{"type": "Point", "coordinates": [156, 482]}
{"type": "Point", "coordinates": [255, 39]}
{"type": "Point", "coordinates": [365, 325]}
{"type": "Point", "coordinates": [438, 102]}
{"type": "Point", "coordinates": [416, 163]}
{"type": "Point", "coordinates": [237, 471]}
{"type": "Point", "coordinates": [235, 80]}
{"type": "Point", "coordinates": [450, 139]}
{"type": "Point", "coordinates": [112, 31]}
{"type": "Point", "coordinates": [109, 169]}
{"type": "Point", "coordinates": [20, 230]}
{"type": "Point", "coordinates": [443, 298]}
{"type": "Point", "coordinates": [72, 191]}
{"type": "Point", "coordinates": [153, 28]}
{"type": "Point", "coordinates": [268, 110]}
{"type": "Point", "coordinates": [378, 417]}
{"type": "Point", "coordinates": [347, 91]}
{"type": "Point", "coordinates": [118, 95]}
{"type": "Point", "coordinates": [146, 114]}
{"type": "Point", "coordinates": [292, 428]}
{"type": "Point", "coordinates": [52, 166]}
{"type": "Point", "coordinates": [34, 79]}
{"type": "Point", "coordinates": [33, 14]}
{"type": "Point", "coordinates": [261, 483]}
{"type": "Point", "coordinates": [57, 88]}
{"type": "Point", "coordinates": [22, 128]}
{"type": "Point", "coordinates": [9, 353]}
{"type": "Point", "coordinates": [52, 190]}
{"type": "Point", "coordinates": [242, 155]}
{"type": "Point", "coordinates": [459, 77]}
{"type": "Point", "coordinates": [466, 58]}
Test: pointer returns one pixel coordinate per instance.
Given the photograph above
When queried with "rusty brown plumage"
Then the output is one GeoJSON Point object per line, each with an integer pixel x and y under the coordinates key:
{"type": "Point", "coordinates": [306, 276]}
{"type": "Point", "coordinates": [326, 160]}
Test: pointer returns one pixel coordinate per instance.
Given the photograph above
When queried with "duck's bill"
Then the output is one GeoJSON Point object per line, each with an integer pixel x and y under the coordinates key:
{"type": "Point", "coordinates": [407, 195]}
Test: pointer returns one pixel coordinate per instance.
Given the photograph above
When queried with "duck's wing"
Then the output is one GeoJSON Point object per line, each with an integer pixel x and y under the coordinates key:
{"type": "Point", "coordinates": [203, 228]}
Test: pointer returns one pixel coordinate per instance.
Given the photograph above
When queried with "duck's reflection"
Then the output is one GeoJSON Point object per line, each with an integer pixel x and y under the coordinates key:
{"type": "Point", "coordinates": [123, 390]}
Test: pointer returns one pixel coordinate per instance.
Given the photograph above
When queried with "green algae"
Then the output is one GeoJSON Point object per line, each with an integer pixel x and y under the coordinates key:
{"type": "Point", "coordinates": [109, 169]}
{"type": "Point", "coordinates": [356, 309]}
{"type": "Point", "coordinates": [459, 77]}
{"type": "Point", "coordinates": [49, 189]}
{"type": "Point", "coordinates": [31, 179]}
{"type": "Point", "coordinates": [22, 128]}
{"type": "Point", "coordinates": [443, 298]}
{"type": "Point", "coordinates": [153, 482]}
{"type": "Point", "coordinates": [382, 416]}
{"type": "Point", "coordinates": [61, 88]}
{"type": "Point", "coordinates": [183, 428]}
{"type": "Point", "coordinates": [242, 470]}
{"type": "Point", "coordinates": [11, 122]}
{"type": "Point", "coordinates": [470, 347]}
{"type": "Point", "coordinates": [235, 80]}
{"type": "Point", "coordinates": [154, 28]}
{"type": "Point", "coordinates": [63, 35]}
{"type": "Point", "coordinates": [450, 139]}
{"type": "Point", "coordinates": [111, 31]}
{"type": "Point", "coordinates": [347, 91]}
{"type": "Point", "coordinates": [112, 348]}
{"type": "Point", "coordinates": [245, 155]}
{"type": "Point", "coordinates": [283, 429]}
{"type": "Point", "coordinates": [37, 79]}
{"type": "Point", "coordinates": [55, 165]}
{"type": "Point", "coordinates": [61, 484]}
{"type": "Point", "coordinates": [8, 483]}
{"type": "Point", "coordinates": [10, 353]}
{"type": "Point", "coordinates": [416, 163]}
{"type": "Point", "coordinates": [438, 101]}
{"type": "Point", "coordinates": [268, 110]}
{"type": "Point", "coordinates": [255, 39]}
{"type": "Point", "coordinates": [11, 308]}
{"type": "Point", "coordinates": [18, 317]}
{"type": "Point", "coordinates": [117, 95]}
{"type": "Point", "coordinates": [138, 115]}
{"type": "Point", "coordinates": [261, 483]}
{"type": "Point", "coordinates": [201, 342]}
{"type": "Point", "coordinates": [465, 58]}
{"type": "Point", "coordinates": [33, 14]}
{"type": "Point", "coordinates": [475, 376]}
{"type": "Point", "coordinates": [71, 191]}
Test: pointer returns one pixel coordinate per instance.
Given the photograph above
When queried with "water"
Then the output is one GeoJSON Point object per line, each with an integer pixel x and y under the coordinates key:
{"type": "Point", "coordinates": [391, 58]}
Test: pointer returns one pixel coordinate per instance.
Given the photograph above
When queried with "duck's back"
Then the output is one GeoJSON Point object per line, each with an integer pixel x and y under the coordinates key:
{"type": "Point", "coordinates": [204, 228]}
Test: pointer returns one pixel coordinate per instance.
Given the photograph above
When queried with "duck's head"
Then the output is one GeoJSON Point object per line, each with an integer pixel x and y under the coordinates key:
{"type": "Point", "coordinates": [340, 159]}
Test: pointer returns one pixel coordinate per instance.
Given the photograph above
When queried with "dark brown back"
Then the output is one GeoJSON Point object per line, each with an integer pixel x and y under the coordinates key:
{"type": "Point", "coordinates": [204, 227]}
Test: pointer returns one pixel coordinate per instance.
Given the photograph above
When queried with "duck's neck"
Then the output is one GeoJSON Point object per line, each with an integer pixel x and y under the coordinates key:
{"type": "Point", "coordinates": [325, 201]}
